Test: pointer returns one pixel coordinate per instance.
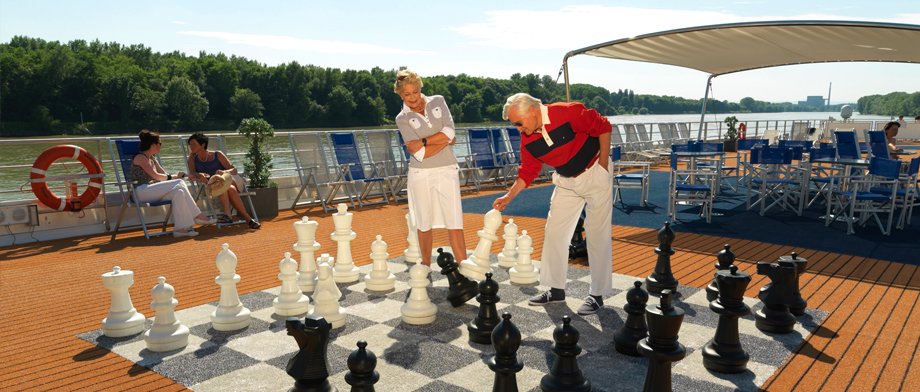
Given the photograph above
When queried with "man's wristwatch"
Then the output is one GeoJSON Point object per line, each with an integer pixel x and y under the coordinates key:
{"type": "Point", "coordinates": [424, 142]}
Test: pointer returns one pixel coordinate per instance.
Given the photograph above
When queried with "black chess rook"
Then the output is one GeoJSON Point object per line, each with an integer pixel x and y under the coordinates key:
{"type": "Point", "coordinates": [662, 278]}
{"type": "Point", "coordinates": [565, 375]}
{"type": "Point", "coordinates": [460, 288]}
{"type": "Point", "coordinates": [661, 346]}
{"type": "Point", "coordinates": [309, 367]}
{"type": "Point", "coordinates": [798, 305]}
{"type": "Point", "coordinates": [361, 374]}
{"type": "Point", "coordinates": [481, 327]}
{"type": "Point", "coordinates": [506, 339]}
{"type": "Point", "coordinates": [725, 354]}
{"type": "Point", "coordinates": [776, 297]}
{"type": "Point", "coordinates": [725, 259]}
{"type": "Point", "coordinates": [634, 329]}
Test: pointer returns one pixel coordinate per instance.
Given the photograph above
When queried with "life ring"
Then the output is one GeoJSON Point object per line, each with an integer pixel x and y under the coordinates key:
{"type": "Point", "coordinates": [742, 129]}
{"type": "Point", "coordinates": [40, 182]}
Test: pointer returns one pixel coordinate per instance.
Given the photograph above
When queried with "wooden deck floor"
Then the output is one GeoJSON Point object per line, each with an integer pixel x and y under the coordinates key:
{"type": "Point", "coordinates": [52, 291]}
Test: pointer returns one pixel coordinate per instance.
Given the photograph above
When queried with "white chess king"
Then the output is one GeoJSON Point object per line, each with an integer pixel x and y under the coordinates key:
{"type": "Point", "coordinates": [379, 278]}
{"type": "Point", "coordinates": [307, 246]}
{"type": "Point", "coordinates": [166, 334]}
{"type": "Point", "coordinates": [230, 314]}
{"type": "Point", "coordinates": [345, 270]}
{"type": "Point", "coordinates": [123, 319]}
{"type": "Point", "coordinates": [480, 262]}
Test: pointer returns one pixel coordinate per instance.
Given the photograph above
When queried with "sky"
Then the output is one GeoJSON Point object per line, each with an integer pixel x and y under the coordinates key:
{"type": "Point", "coordinates": [477, 38]}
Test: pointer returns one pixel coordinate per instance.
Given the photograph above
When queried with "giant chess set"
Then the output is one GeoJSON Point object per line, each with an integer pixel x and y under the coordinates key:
{"type": "Point", "coordinates": [396, 325]}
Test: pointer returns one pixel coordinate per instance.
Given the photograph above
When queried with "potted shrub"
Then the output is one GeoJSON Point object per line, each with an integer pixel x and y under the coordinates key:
{"type": "Point", "coordinates": [258, 166]}
{"type": "Point", "coordinates": [731, 135]}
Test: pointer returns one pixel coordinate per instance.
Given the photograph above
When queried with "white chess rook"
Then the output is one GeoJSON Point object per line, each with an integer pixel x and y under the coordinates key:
{"type": "Point", "coordinates": [166, 334]}
{"type": "Point", "coordinates": [524, 271]}
{"type": "Point", "coordinates": [291, 301]}
{"type": "Point", "coordinates": [230, 314]}
{"type": "Point", "coordinates": [419, 309]}
{"type": "Point", "coordinates": [479, 262]}
{"type": "Point", "coordinates": [412, 253]}
{"type": "Point", "coordinates": [345, 270]}
{"type": "Point", "coordinates": [508, 257]}
{"type": "Point", "coordinates": [379, 278]}
{"type": "Point", "coordinates": [306, 244]}
{"type": "Point", "coordinates": [123, 319]}
{"type": "Point", "coordinates": [327, 296]}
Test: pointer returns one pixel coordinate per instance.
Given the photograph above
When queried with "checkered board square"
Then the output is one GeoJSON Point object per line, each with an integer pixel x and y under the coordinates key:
{"type": "Point", "coordinates": [439, 356]}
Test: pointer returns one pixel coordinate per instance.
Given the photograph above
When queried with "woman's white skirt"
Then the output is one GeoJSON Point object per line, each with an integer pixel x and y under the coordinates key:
{"type": "Point", "coordinates": [434, 197]}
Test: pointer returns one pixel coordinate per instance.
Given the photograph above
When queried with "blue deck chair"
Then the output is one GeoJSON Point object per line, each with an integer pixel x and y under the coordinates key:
{"type": "Point", "coordinates": [821, 175]}
{"type": "Point", "coordinates": [388, 159]}
{"type": "Point", "coordinates": [504, 153]}
{"type": "Point", "coordinates": [690, 187]}
{"type": "Point", "coordinates": [744, 151]}
{"type": "Point", "coordinates": [847, 145]}
{"type": "Point", "coordinates": [126, 150]}
{"type": "Point", "coordinates": [314, 171]}
{"type": "Point", "coordinates": [878, 144]}
{"type": "Point", "coordinates": [866, 204]}
{"type": "Point", "coordinates": [351, 170]}
{"type": "Point", "coordinates": [909, 193]}
{"type": "Point", "coordinates": [483, 158]}
{"type": "Point", "coordinates": [631, 178]}
{"type": "Point", "coordinates": [777, 181]}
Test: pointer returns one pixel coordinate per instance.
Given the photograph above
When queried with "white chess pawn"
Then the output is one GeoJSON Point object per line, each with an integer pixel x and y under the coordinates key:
{"type": "Point", "coordinates": [291, 301]}
{"type": "Point", "coordinates": [329, 260]}
{"type": "Point", "coordinates": [306, 244]}
{"type": "Point", "coordinates": [524, 271]}
{"type": "Point", "coordinates": [167, 333]}
{"type": "Point", "coordinates": [412, 253]}
{"type": "Point", "coordinates": [230, 314]}
{"type": "Point", "coordinates": [419, 309]}
{"type": "Point", "coordinates": [479, 262]}
{"type": "Point", "coordinates": [380, 278]}
{"type": "Point", "coordinates": [123, 319]}
{"type": "Point", "coordinates": [345, 270]}
{"type": "Point", "coordinates": [508, 257]}
{"type": "Point", "coordinates": [327, 297]}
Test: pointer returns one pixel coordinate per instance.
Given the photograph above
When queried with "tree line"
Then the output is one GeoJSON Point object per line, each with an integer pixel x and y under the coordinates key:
{"type": "Point", "coordinates": [893, 104]}
{"type": "Point", "coordinates": [47, 87]}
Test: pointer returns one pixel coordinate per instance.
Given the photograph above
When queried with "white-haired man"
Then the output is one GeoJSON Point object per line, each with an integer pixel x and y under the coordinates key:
{"type": "Point", "coordinates": [576, 142]}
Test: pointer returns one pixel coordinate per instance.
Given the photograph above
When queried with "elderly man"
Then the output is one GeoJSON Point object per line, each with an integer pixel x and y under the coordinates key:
{"type": "Point", "coordinates": [576, 142]}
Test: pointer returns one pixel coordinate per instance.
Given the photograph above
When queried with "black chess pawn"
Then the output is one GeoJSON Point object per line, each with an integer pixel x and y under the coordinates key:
{"type": "Point", "coordinates": [661, 346]}
{"type": "Point", "coordinates": [565, 375]}
{"type": "Point", "coordinates": [726, 258]}
{"type": "Point", "coordinates": [309, 367]}
{"type": "Point", "coordinates": [481, 327]}
{"type": "Point", "coordinates": [460, 288]}
{"type": "Point", "coordinates": [662, 278]}
{"type": "Point", "coordinates": [361, 374]}
{"type": "Point", "coordinates": [506, 339]}
{"type": "Point", "coordinates": [725, 354]}
{"type": "Point", "coordinates": [634, 329]}
{"type": "Point", "coordinates": [798, 305]}
{"type": "Point", "coordinates": [776, 297]}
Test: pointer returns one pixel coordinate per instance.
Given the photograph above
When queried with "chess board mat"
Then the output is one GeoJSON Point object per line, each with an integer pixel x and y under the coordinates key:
{"type": "Point", "coordinates": [439, 356]}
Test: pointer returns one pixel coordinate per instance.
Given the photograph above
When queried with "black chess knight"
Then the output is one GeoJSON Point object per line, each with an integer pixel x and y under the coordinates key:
{"type": "Point", "coordinates": [776, 297]}
{"type": "Point", "coordinates": [309, 367]}
{"type": "Point", "coordinates": [460, 288]}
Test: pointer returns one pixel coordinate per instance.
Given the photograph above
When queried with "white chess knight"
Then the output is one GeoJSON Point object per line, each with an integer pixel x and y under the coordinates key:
{"type": "Point", "coordinates": [166, 334]}
{"type": "Point", "coordinates": [379, 278]}
{"type": "Point", "coordinates": [329, 260]}
{"type": "Point", "coordinates": [291, 301]}
{"type": "Point", "coordinates": [412, 253]}
{"type": "Point", "coordinates": [230, 314]}
{"type": "Point", "coordinates": [345, 270]}
{"type": "Point", "coordinates": [123, 319]}
{"type": "Point", "coordinates": [508, 257]}
{"type": "Point", "coordinates": [306, 244]}
{"type": "Point", "coordinates": [327, 296]}
{"type": "Point", "coordinates": [479, 262]}
{"type": "Point", "coordinates": [419, 309]}
{"type": "Point", "coordinates": [524, 271]}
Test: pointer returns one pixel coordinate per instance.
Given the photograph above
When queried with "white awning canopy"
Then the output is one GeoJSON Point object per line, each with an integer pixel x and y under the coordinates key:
{"type": "Point", "coordinates": [727, 48]}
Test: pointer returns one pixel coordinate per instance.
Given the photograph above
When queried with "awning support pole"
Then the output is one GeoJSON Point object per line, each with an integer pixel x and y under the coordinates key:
{"type": "Point", "coordinates": [565, 70]}
{"type": "Point", "coordinates": [699, 133]}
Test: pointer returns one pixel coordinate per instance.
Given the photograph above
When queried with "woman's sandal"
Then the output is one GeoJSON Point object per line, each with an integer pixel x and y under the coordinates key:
{"type": "Point", "coordinates": [224, 219]}
{"type": "Point", "coordinates": [254, 225]}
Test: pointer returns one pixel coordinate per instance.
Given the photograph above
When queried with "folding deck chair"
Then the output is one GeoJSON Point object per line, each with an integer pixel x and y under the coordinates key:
{"type": "Point", "coordinates": [350, 170]}
{"type": "Point", "coordinates": [126, 149]}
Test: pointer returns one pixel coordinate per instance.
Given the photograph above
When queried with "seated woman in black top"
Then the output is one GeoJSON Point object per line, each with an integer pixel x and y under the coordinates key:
{"type": "Point", "coordinates": [203, 164]}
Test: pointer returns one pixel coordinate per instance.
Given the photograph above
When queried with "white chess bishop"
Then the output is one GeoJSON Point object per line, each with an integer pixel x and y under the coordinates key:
{"type": "Point", "coordinates": [166, 334]}
{"type": "Point", "coordinates": [327, 296]}
{"type": "Point", "coordinates": [123, 319]}
{"type": "Point", "coordinates": [230, 314]}
{"type": "Point", "coordinates": [524, 271]}
{"type": "Point", "coordinates": [291, 301]}
{"type": "Point", "coordinates": [379, 278]}
{"type": "Point", "coordinates": [479, 262]}
{"type": "Point", "coordinates": [412, 253]}
{"type": "Point", "coordinates": [307, 246]}
{"type": "Point", "coordinates": [508, 257]}
{"type": "Point", "coordinates": [345, 270]}
{"type": "Point", "coordinates": [419, 309]}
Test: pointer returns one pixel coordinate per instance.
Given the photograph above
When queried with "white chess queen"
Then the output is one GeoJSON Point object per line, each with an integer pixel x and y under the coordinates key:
{"type": "Point", "coordinates": [427, 127]}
